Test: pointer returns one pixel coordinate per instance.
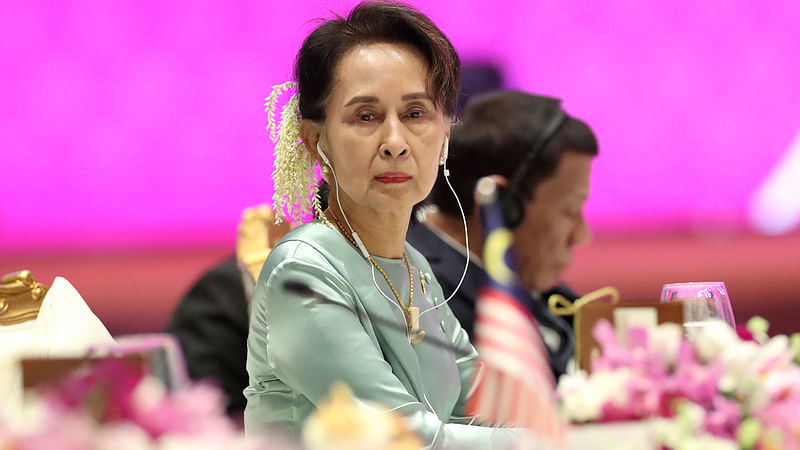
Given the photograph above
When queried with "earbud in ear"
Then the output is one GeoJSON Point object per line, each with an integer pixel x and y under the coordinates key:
{"type": "Point", "coordinates": [323, 155]}
{"type": "Point", "coordinates": [444, 151]}
{"type": "Point", "coordinates": [512, 207]}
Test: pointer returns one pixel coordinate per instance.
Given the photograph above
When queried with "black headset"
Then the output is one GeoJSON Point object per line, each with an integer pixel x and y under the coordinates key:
{"type": "Point", "coordinates": [510, 202]}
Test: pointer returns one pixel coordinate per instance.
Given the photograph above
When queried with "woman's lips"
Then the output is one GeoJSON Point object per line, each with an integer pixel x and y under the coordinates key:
{"type": "Point", "coordinates": [393, 177]}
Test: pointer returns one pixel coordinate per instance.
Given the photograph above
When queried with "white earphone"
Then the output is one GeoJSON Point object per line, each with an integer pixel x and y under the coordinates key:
{"type": "Point", "coordinates": [446, 172]}
{"type": "Point", "coordinates": [443, 160]}
{"type": "Point", "coordinates": [353, 233]}
{"type": "Point", "coordinates": [323, 155]}
{"type": "Point", "coordinates": [363, 248]}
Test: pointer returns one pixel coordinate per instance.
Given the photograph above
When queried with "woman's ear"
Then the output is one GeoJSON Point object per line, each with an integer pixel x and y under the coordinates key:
{"type": "Point", "coordinates": [310, 134]}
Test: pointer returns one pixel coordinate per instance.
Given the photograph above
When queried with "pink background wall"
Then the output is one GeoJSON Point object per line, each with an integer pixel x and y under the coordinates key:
{"type": "Point", "coordinates": [130, 124]}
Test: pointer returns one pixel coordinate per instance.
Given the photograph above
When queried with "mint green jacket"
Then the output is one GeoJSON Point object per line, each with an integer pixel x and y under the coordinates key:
{"type": "Point", "coordinates": [298, 346]}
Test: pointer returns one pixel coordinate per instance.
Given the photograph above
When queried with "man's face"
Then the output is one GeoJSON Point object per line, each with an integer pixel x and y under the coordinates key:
{"type": "Point", "coordinates": [553, 223]}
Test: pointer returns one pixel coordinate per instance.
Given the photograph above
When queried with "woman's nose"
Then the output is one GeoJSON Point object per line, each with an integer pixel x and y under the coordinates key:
{"type": "Point", "coordinates": [394, 143]}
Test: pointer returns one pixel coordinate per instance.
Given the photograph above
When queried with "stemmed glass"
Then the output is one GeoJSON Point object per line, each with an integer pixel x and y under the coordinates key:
{"type": "Point", "coordinates": [702, 301]}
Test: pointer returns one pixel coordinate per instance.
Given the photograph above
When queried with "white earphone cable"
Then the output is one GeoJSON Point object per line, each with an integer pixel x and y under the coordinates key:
{"type": "Point", "coordinates": [361, 246]}
{"type": "Point", "coordinates": [365, 253]}
{"type": "Point", "coordinates": [466, 241]}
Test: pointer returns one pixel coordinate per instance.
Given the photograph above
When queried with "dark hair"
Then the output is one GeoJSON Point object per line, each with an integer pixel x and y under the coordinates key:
{"type": "Point", "coordinates": [496, 132]}
{"type": "Point", "coordinates": [375, 22]}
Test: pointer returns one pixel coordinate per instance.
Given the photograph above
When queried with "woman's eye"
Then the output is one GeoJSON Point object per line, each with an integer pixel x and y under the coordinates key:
{"type": "Point", "coordinates": [415, 114]}
{"type": "Point", "coordinates": [366, 117]}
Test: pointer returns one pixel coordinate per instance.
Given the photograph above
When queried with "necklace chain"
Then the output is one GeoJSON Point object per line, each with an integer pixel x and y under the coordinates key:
{"type": "Point", "coordinates": [406, 309]}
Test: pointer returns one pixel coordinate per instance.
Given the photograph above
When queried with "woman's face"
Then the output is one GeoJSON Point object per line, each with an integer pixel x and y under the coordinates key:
{"type": "Point", "coordinates": [382, 133]}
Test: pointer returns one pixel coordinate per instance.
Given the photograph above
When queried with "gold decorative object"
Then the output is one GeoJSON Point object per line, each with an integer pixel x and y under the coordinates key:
{"type": "Point", "coordinates": [20, 297]}
{"type": "Point", "coordinates": [422, 283]}
{"type": "Point", "coordinates": [561, 306]}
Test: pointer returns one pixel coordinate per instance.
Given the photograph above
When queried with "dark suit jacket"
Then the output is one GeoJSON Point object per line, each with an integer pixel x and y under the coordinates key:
{"type": "Point", "coordinates": [448, 265]}
{"type": "Point", "coordinates": [211, 323]}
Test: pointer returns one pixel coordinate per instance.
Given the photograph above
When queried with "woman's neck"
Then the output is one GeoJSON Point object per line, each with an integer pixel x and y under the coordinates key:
{"type": "Point", "coordinates": [383, 233]}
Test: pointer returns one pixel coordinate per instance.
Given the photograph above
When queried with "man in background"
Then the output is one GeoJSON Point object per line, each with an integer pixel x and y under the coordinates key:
{"type": "Point", "coordinates": [212, 320]}
{"type": "Point", "coordinates": [498, 133]}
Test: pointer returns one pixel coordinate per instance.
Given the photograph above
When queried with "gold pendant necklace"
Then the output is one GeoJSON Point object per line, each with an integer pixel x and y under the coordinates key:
{"type": "Point", "coordinates": [411, 312]}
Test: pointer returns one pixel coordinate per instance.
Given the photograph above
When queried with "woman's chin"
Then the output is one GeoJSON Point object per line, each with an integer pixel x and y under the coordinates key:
{"type": "Point", "coordinates": [396, 199]}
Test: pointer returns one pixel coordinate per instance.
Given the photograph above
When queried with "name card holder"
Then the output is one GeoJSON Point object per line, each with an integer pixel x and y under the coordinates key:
{"type": "Point", "coordinates": [622, 315]}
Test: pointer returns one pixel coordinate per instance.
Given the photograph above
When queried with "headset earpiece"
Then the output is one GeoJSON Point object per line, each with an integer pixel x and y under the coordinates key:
{"type": "Point", "coordinates": [511, 206]}
{"type": "Point", "coordinates": [510, 203]}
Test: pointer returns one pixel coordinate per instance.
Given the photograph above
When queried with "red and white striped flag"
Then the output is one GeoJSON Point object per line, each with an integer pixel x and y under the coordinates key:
{"type": "Point", "coordinates": [515, 385]}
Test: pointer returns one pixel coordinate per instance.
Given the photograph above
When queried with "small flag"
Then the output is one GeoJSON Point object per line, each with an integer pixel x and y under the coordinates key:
{"type": "Point", "coordinates": [516, 386]}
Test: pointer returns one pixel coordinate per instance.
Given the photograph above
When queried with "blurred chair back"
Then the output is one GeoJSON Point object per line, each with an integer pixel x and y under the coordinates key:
{"type": "Point", "coordinates": [39, 322]}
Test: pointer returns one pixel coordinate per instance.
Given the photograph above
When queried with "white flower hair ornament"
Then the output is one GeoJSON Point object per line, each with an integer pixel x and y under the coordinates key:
{"type": "Point", "coordinates": [295, 188]}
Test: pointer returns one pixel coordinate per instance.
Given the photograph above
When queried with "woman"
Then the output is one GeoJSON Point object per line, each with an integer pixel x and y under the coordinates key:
{"type": "Point", "coordinates": [376, 92]}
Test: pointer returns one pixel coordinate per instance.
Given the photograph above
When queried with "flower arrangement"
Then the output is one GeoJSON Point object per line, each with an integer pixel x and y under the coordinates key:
{"type": "Point", "coordinates": [116, 405]}
{"type": "Point", "coordinates": [344, 423]}
{"type": "Point", "coordinates": [722, 389]}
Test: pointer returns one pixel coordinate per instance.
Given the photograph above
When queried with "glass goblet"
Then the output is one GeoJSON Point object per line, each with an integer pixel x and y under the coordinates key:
{"type": "Point", "coordinates": [702, 301]}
